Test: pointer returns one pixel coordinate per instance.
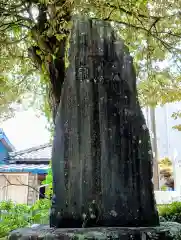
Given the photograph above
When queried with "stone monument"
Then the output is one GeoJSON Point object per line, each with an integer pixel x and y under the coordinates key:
{"type": "Point", "coordinates": [101, 158]}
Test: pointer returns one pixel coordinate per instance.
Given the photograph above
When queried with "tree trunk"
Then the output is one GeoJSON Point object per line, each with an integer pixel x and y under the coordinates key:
{"type": "Point", "coordinates": [49, 53]}
{"type": "Point", "coordinates": [56, 68]}
{"type": "Point", "coordinates": [102, 159]}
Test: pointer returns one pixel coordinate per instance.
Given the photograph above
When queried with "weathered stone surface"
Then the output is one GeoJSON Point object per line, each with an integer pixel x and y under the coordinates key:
{"type": "Point", "coordinates": [166, 231]}
{"type": "Point", "coordinates": [102, 158]}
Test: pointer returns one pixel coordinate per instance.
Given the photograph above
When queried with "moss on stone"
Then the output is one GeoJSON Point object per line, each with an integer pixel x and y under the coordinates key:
{"type": "Point", "coordinates": [166, 231]}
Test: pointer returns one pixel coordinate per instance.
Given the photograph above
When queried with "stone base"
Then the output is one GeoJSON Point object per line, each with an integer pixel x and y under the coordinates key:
{"type": "Point", "coordinates": [165, 231]}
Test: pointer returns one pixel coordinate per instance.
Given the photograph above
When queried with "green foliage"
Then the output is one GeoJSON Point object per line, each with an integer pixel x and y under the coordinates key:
{"type": "Point", "coordinates": [49, 180]}
{"type": "Point", "coordinates": [151, 29]}
{"type": "Point", "coordinates": [16, 85]}
{"type": "Point", "coordinates": [39, 212]}
{"type": "Point", "coordinates": [164, 188]}
{"type": "Point", "coordinates": [171, 212]}
{"type": "Point", "coordinates": [159, 89]}
{"type": "Point", "coordinates": [16, 72]}
{"type": "Point", "coordinates": [13, 216]}
{"type": "Point", "coordinates": [165, 162]}
{"type": "Point", "coordinates": [176, 116]}
{"type": "Point", "coordinates": [177, 127]}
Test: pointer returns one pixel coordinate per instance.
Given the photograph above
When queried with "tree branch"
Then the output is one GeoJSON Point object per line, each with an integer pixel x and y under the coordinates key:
{"type": "Point", "coordinates": [14, 42]}
{"type": "Point", "coordinates": [130, 13]}
{"type": "Point", "coordinates": [21, 184]}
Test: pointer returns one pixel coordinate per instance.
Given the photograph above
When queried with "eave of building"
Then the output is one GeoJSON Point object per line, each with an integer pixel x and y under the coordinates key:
{"type": "Point", "coordinates": [5, 141]}
{"type": "Point", "coordinates": [37, 154]}
{"type": "Point", "coordinates": [33, 160]}
{"type": "Point", "coordinates": [30, 161]}
{"type": "Point", "coordinates": [29, 150]}
{"type": "Point", "coordinates": [24, 168]}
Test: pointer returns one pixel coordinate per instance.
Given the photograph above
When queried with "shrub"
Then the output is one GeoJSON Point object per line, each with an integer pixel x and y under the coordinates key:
{"type": "Point", "coordinates": [170, 212]}
{"type": "Point", "coordinates": [40, 212]}
{"type": "Point", "coordinates": [49, 180]}
{"type": "Point", "coordinates": [13, 216]}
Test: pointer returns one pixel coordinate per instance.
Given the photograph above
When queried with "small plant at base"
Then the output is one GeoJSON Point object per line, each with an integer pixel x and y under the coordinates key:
{"type": "Point", "coordinates": [171, 212]}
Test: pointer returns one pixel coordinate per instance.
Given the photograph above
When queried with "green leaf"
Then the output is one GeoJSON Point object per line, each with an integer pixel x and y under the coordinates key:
{"type": "Point", "coordinates": [60, 36]}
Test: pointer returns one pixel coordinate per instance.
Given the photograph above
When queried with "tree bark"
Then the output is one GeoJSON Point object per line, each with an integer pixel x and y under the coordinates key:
{"type": "Point", "coordinates": [49, 53]}
{"type": "Point", "coordinates": [55, 70]}
{"type": "Point", "coordinates": [102, 159]}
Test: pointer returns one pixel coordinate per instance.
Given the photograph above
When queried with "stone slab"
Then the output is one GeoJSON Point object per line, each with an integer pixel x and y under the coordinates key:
{"type": "Point", "coordinates": [165, 231]}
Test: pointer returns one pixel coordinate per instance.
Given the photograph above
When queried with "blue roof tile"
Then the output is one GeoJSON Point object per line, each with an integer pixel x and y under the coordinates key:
{"type": "Point", "coordinates": [36, 169]}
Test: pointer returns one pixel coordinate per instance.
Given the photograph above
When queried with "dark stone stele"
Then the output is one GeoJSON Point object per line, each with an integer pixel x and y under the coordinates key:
{"type": "Point", "coordinates": [101, 158]}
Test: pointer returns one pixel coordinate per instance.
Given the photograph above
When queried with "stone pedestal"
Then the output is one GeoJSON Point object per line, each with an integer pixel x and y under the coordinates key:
{"type": "Point", "coordinates": [165, 231]}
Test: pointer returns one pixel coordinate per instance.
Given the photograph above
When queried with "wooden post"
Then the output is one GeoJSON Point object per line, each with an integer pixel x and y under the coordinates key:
{"type": "Point", "coordinates": [155, 149]}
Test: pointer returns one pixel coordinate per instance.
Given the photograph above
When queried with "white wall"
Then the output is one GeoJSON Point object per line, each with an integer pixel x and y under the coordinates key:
{"type": "Point", "coordinates": [166, 197]}
{"type": "Point", "coordinates": [17, 192]}
{"type": "Point", "coordinates": [14, 187]}
{"type": "Point", "coordinates": [168, 139]}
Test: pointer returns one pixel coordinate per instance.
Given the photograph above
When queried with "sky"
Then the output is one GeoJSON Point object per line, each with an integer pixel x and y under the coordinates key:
{"type": "Point", "coordinates": [26, 129]}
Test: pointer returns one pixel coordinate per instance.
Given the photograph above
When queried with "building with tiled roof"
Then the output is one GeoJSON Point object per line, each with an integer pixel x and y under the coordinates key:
{"type": "Point", "coordinates": [35, 155]}
{"type": "Point", "coordinates": [33, 160]}
{"type": "Point", "coordinates": [22, 173]}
